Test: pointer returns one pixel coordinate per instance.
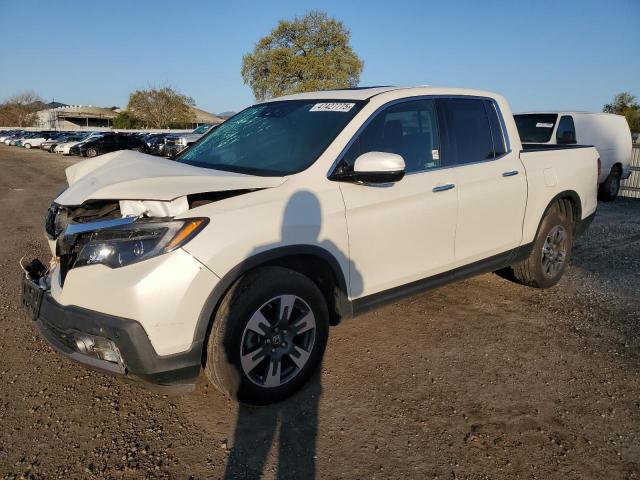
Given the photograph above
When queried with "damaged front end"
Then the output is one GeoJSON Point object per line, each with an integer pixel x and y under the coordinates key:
{"type": "Point", "coordinates": [120, 242]}
{"type": "Point", "coordinates": [97, 233]}
{"type": "Point", "coordinates": [95, 351]}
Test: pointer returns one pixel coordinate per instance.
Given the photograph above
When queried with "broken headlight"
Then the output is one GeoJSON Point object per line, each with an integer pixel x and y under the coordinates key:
{"type": "Point", "coordinates": [119, 246]}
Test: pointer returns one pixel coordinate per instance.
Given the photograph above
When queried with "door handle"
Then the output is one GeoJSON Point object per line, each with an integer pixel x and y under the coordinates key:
{"type": "Point", "coordinates": [510, 173]}
{"type": "Point", "coordinates": [442, 188]}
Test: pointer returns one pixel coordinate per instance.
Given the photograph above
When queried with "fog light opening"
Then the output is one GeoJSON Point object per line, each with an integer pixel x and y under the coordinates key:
{"type": "Point", "coordinates": [98, 347]}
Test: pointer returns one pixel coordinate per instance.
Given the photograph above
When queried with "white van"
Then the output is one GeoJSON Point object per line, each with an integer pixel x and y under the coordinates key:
{"type": "Point", "coordinates": [609, 133]}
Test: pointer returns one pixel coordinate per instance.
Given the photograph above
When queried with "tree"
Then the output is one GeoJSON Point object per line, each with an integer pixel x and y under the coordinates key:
{"type": "Point", "coordinates": [20, 110]}
{"type": "Point", "coordinates": [625, 104]}
{"type": "Point", "coordinates": [161, 107]}
{"type": "Point", "coordinates": [125, 120]}
{"type": "Point", "coordinates": [308, 53]}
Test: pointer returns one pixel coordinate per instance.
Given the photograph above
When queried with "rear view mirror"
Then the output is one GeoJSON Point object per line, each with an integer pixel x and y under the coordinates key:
{"type": "Point", "coordinates": [376, 167]}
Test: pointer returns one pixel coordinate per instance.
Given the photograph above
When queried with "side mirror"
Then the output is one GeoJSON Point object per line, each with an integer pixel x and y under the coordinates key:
{"type": "Point", "coordinates": [376, 167]}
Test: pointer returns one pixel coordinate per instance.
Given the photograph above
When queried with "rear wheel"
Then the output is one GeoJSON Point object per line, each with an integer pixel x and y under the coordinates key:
{"type": "Point", "coordinates": [27, 146]}
{"type": "Point", "coordinates": [551, 249]}
{"type": "Point", "coordinates": [608, 190]}
{"type": "Point", "coordinates": [268, 336]}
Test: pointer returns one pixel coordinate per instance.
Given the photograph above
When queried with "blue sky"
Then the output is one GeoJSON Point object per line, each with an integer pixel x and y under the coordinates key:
{"type": "Point", "coordinates": [540, 54]}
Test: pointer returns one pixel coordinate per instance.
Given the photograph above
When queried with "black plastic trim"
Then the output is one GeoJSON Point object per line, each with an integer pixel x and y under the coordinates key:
{"type": "Point", "coordinates": [571, 194]}
{"type": "Point", "coordinates": [490, 264]}
{"type": "Point", "coordinates": [140, 358]}
{"type": "Point", "coordinates": [370, 177]}
{"type": "Point", "coordinates": [343, 305]}
{"type": "Point", "coordinates": [543, 147]}
{"type": "Point", "coordinates": [583, 224]}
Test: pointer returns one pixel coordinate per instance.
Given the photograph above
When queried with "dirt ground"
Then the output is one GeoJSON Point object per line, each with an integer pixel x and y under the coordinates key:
{"type": "Point", "coordinates": [479, 379]}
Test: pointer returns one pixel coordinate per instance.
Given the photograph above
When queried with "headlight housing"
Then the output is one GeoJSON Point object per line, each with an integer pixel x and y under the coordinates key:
{"type": "Point", "coordinates": [123, 245]}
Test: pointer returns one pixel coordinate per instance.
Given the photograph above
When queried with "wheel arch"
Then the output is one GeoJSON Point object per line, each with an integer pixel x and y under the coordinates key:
{"type": "Point", "coordinates": [574, 201]}
{"type": "Point", "coordinates": [312, 261]}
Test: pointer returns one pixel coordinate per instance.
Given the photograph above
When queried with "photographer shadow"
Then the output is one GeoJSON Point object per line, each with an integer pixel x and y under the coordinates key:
{"type": "Point", "coordinates": [293, 423]}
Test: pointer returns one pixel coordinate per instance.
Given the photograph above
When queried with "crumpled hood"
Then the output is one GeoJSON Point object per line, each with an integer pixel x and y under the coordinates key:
{"type": "Point", "coordinates": [129, 175]}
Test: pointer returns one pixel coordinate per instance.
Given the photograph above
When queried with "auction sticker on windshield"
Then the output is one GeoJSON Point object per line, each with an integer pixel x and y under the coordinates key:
{"type": "Point", "coordinates": [332, 107]}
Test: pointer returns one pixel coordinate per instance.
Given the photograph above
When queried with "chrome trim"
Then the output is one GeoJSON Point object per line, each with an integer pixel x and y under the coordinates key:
{"type": "Point", "coordinates": [443, 188]}
{"type": "Point", "coordinates": [75, 228]}
{"type": "Point", "coordinates": [510, 173]}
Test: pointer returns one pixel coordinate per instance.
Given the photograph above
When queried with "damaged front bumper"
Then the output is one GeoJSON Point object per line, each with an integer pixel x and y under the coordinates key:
{"type": "Point", "coordinates": [107, 343]}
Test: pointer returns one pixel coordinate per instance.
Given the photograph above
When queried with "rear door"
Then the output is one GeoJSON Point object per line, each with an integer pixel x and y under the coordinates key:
{"type": "Point", "coordinates": [491, 182]}
{"type": "Point", "coordinates": [401, 232]}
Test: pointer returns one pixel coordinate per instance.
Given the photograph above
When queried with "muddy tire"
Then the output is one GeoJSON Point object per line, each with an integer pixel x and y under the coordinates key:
{"type": "Point", "coordinates": [551, 251]}
{"type": "Point", "coordinates": [608, 190]}
{"type": "Point", "coordinates": [268, 336]}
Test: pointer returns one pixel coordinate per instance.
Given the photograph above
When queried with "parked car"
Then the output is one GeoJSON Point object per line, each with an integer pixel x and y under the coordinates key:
{"type": "Point", "coordinates": [155, 143]}
{"type": "Point", "coordinates": [7, 139]}
{"type": "Point", "coordinates": [36, 139]}
{"type": "Point", "coordinates": [109, 142]}
{"type": "Point", "coordinates": [66, 137]}
{"type": "Point", "coordinates": [294, 214]}
{"type": "Point", "coordinates": [19, 140]}
{"type": "Point", "coordinates": [609, 133]}
{"type": "Point", "coordinates": [65, 148]}
{"type": "Point", "coordinates": [8, 133]}
{"type": "Point", "coordinates": [176, 143]}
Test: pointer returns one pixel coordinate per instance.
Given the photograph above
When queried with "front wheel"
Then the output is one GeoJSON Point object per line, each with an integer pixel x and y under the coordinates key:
{"type": "Point", "coordinates": [92, 152]}
{"type": "Point", "coordinates": [268, 336]}
{"type": "Point", "coordinates": [608, 190]}
{"type": "Point", "coordinates": [551, 249]}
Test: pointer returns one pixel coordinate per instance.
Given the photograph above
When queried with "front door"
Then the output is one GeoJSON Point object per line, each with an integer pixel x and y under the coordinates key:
{"type": "Point", "coordinates": [401, 232]}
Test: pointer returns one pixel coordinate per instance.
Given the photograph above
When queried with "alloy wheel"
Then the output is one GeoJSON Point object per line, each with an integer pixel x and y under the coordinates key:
{"type": "Point", "coordinates": [277, 341]}
{"type": "Point", "coordinates": [554, 251]}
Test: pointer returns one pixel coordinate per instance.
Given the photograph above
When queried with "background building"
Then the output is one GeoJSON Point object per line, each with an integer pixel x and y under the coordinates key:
{"type": "Point", "coordinates": [75, 117]}
{"type": "Point", "coordinates": [83, 117]}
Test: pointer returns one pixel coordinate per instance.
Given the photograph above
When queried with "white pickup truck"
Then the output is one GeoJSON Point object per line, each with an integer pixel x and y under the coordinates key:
{"type": "Point", "coordinates": [294, 214]}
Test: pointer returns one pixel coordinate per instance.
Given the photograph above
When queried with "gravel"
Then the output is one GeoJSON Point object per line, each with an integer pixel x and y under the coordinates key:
{"type": "Point", "coordinates": [479, 379]}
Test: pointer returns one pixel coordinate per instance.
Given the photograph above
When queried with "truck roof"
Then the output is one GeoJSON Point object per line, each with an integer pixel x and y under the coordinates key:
{"type": "Point", "coordinates": [364, 93]}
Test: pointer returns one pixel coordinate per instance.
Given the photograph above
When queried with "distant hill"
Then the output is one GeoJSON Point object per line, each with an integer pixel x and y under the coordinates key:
{"type": "Point", "coordinates": [226, 114]}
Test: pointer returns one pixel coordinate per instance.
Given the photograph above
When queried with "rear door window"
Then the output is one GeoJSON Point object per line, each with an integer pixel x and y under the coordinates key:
{"type": "Point", "coordinates": [469, 130]}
